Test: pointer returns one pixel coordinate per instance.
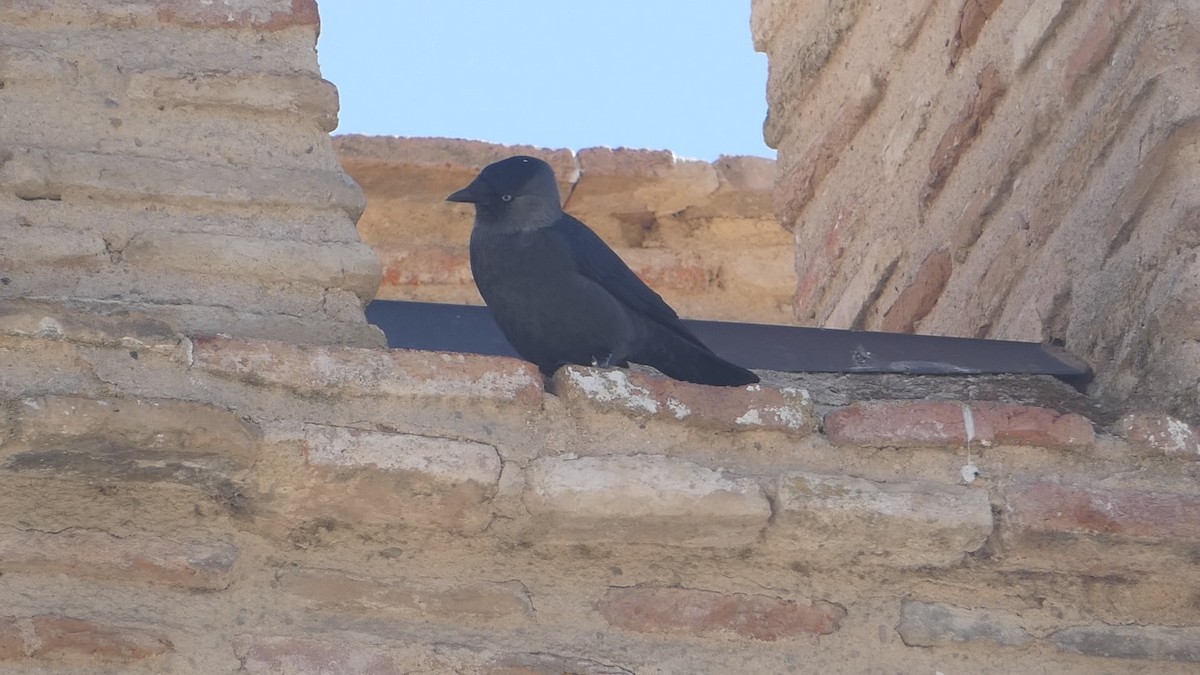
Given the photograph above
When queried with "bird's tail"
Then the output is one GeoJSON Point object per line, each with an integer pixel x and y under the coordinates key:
{"type": "Point", "coordinates": [684, 360]}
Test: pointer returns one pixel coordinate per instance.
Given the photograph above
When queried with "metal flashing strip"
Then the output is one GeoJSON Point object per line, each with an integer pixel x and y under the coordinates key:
{"type": "Point", "coordinates": [798, 349]}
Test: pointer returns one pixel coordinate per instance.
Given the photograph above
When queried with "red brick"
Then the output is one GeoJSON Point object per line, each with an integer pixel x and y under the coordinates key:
{"type": "Point", "coordinates": [1096, 45]}
{"type": "Point", "coordinates": [348, 371]}
{"type": "Point", "coordinates": [261, 15]}
{"type": "Point", "coordinates": [84, 553]}
{"type": "Point", "coordinates": [699, 612]}
{"type": "Point", "coordinates": [1049, 508]}
{"type": "Point", "coordinates": [504, 603]}
{"type": "Point", "coordinates": [958, 137]}
{"type": "Point", "coordinates": [900, 424]}
{"type": "Point", "coordinates": [1160, 434]}
{"type": "Point", "coordinates": [919, 297]}
{"type": "Point", "coordinates": [62, 638]}
{"type": "Point", "coordinates": [1007, 424]}
{"type": "Point", "coordinates": [971, 19]}
{"type": "Point", "coordinates": [643, 394]}
{"type": "Point", "coordinates": [907, 424]}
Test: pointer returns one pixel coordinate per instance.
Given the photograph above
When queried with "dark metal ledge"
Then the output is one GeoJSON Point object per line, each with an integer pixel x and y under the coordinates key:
{"type": "Point", "coordinates": [470, 329]}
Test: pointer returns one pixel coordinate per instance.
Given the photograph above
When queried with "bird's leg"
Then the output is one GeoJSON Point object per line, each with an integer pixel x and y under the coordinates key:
{"type": "Point", "coordinates": [609, 361]}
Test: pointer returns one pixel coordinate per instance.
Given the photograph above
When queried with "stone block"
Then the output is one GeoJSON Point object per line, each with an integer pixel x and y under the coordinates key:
{"type": "Point", "coordinates": [1155, 643]}
{"type": "Point", "coordinates": [643, 395]}
{"type": "Point", "coordinates": [641, 499]}
{"type": "Point", "coordinates": [926, 624]}
{"type": "Point", "coordinates": [843, 520]}
{"type": "Point", "coordinates": [696, 612]}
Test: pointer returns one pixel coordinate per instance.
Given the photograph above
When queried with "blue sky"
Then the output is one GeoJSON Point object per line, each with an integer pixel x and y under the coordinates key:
{"type": "Point", "coordinates": [660, 74]}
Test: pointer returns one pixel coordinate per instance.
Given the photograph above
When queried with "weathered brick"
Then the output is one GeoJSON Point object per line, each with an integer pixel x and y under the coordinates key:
{"type": "Point", "coordinates": [541, 663]}
{"type": "Point", "coordinates": [1160, 434]}
{"type": "Point", "coordinates": [701, 612]}
{"type": "Point", "coordinates": [666, 269]}
{"type": "Point", "coordinates": [26, 248]}
{"type": "Point", "coordinates": [12, 642]}
{"type": "Point", "coordinates": [899, 424]}
{"type": "Point", "coordinates": [840, 519]}
{"type": "Point", "coordinates": [35, 366]}
{"type": "Point", "coordinates": [633, 186]}
{"type": "Point", "coordinates": [799, 182]}
{"type": "Point", "coordinates": [645, 395]}
{"type": "Point", "coordinates": [1034, 29]}
{"type": "Point", "coordinates": [62, 638]}
{"type": "Point", "coordinates": [645, 499]}
{"type": "Point", "coordinates": [958, 137]}
{"type": "Point", "coordinates": [140, 425]}
{"type": "Point", "coordinates": [1096, 45]}
{"type": "Point", "coordinates": [918, 298]}
{"type": "Point", "coordinates": [1055, 509]}
{"type": "Point", "coordinates": [494, 603]}
{"type": "Point", "coordinates": [118, 327]}
{"type": "Point", "coordinates": [307, 96]}
{"type": "Point", "coordinates": [924, 624]}
{"type": "Point", "coordinates": [259, 15]}
{"type": "Point", "coordinates": [1157, 643]}
{"type": "Point", "coordinates": [971, 19]}
{"type": "Point", "coordinates": [381, 478]}
{"type": "Point", "coordinates": [429, 265]}
{"type": "Point", "coordinates": [289, 654]}
{"type": "Point", "coordinates": [350, 266]}
{"type": "Point", "coordinates": [104, 177]}
{"type": "Point", "coordinates": [347, 371]}
{"type": "Point", "coordinates": [907, 424]}
{"type": "Point", "coordinates": [189, 563]}
{"type": "Point", "coordinates": [444, 459]}
{"type": "Point", "coordinates": [1007, 424]}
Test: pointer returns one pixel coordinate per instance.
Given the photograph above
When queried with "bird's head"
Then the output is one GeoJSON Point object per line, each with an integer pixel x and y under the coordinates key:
{"type": "Point", "coordinates": [519, 192]}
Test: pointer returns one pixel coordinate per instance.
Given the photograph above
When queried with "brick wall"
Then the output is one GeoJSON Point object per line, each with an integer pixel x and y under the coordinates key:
{"type": "Point", "coordinates": [1019, 169]}
{"type": "Point", "coordinates": [215, 504]}
{"type": "Point", "coordinates": [189, 484]}
{"type": "Point", "coordinates": [175, 156]}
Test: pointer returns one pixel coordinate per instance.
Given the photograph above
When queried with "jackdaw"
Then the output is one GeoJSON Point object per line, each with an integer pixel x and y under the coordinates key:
{"type": "Point", "coordinates": [561, 295]}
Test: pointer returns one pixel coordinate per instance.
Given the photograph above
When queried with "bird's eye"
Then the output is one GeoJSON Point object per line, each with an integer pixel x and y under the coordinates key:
{"type": "Point", "coordinates": [506, 198]}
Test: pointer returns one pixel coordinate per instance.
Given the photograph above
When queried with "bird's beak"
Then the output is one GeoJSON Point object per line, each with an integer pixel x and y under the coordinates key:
{"type": "Point", "coordinates": [466, 195]}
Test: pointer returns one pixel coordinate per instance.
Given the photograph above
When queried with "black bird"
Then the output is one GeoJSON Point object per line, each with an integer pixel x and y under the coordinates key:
{"type": "Point", "coordinates": [561, 295]}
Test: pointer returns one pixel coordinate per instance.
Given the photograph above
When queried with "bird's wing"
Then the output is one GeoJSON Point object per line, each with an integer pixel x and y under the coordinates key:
{"type": "Point", "coordinates": [600, 263]}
